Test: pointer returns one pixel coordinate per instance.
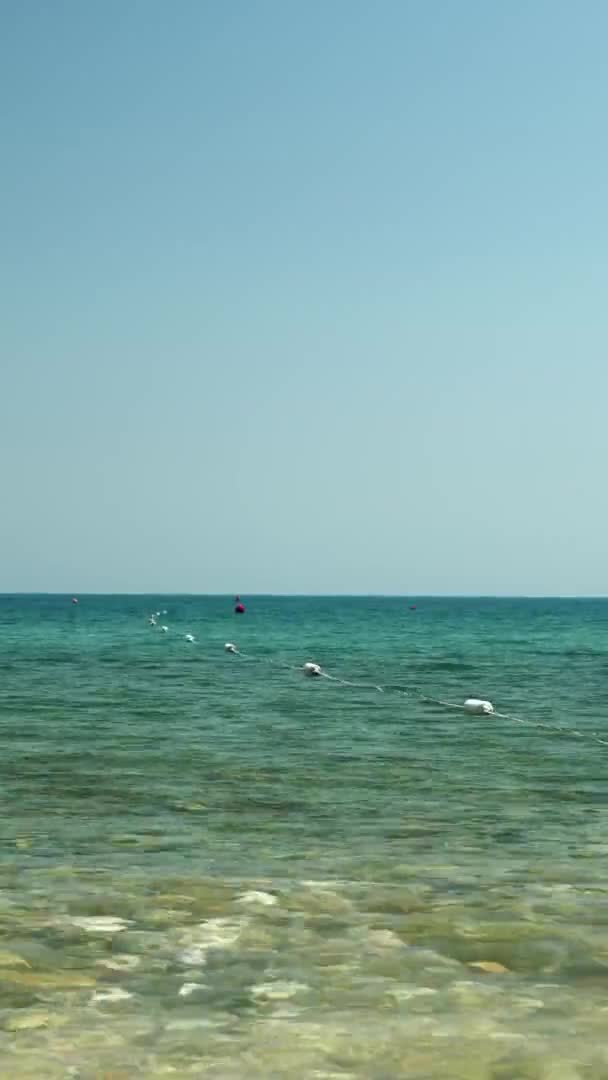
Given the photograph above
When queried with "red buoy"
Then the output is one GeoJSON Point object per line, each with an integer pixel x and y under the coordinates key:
{"type": "Point", "coordinates": [239, 609]}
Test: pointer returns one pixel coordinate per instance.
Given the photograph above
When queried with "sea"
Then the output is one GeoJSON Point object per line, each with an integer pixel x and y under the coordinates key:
{"type": "Point", "coordinates": [214, 866]}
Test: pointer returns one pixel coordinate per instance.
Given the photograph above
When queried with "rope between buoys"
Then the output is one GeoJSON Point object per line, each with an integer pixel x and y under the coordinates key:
{"type": "Point", "coordinates": [414, 693]}
{"type": "Point", "coordinates": [347, 682]}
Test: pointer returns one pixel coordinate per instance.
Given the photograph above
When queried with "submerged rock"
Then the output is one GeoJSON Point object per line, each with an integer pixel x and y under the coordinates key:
{"type": "Point", "coordinates": [110, 996]}
{"type": "Point", "coordinates": [9, 959]}
{"type": "Point", "coordinates": [100, 924]}
{"type": "Point", "coordinates": [281, 990]}
{"type": "Point", "coordinates": [384, 939]}
{"type": "Point", "coordinates": [491, 967]}
{"type": "Point", "coordinates": [120, 962]}
{"type": "Point", "coordinates": [212, 934]}
{"type": "Point", "coordinates": [26, 1021]}
{"type": "Point", "coordinates": [316, 901]}
{"type": "Point", "coordinates": [191, 988]}
{"type": "Point", "coordinates": [46, 980]}
{"type": "Point", "coordinates": [255, 897]}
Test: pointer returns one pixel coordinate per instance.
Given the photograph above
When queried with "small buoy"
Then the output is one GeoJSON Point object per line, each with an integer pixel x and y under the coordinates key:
{"type": "Point", "coordinates": [312, 669]}
{"type": "Point", "coordinates": [412, 607]}
{"type": "Point", "coordinates": [239, 609]}
{"type": "Point", "coordinates": [164, 629]}
{"type": "Point", "coordinates": [229, 647]}
{"type": "Point", "coordinates": [74, 600]}
{"type": "Point", "coordinates": [189, 637]}
{"type": "Point", "coordinates": [152, 620]}
{"type": "Point", "coordinates": [479, 707]}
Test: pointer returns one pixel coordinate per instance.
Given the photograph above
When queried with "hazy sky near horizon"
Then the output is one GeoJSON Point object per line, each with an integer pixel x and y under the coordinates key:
{"type": "Point", "coordinates": [304, 297]}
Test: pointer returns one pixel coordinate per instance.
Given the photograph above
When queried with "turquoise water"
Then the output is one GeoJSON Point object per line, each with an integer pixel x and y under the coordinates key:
{"type": "Point", "coordinates": [214, 867]}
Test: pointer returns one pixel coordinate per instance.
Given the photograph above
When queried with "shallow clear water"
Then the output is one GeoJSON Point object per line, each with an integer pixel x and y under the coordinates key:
{"type": "Point", "coordinates": [212, 866]}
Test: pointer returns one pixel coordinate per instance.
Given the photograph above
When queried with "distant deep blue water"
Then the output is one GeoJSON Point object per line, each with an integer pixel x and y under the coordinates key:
{"type": "Point", "coordinates": [212, 866]}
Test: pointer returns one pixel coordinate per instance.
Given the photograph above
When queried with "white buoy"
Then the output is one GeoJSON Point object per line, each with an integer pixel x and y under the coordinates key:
{"type": "Point", "coordinates": [164, 629]}
{"type": "Point", "coordinates": [229, 647]}
{"type": "Point", "coordinates": [312, 669]}
{"type": "Point", "coordinates": [189, 637]}
{"type": "Point", "coordinates": [478, 707]}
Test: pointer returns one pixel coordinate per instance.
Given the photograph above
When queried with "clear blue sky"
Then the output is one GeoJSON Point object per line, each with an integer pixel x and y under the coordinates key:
{"type": "Point", "coordinates": [304, 297]}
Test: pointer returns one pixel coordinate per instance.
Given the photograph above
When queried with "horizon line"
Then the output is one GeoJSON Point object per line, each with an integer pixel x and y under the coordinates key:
{"type": "Point", "coordinates": [323, 595]}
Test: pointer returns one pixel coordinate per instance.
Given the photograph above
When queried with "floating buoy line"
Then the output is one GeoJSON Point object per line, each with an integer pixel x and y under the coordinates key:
{"type": "Point", "coordinates": [472, 706]}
